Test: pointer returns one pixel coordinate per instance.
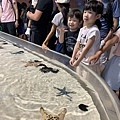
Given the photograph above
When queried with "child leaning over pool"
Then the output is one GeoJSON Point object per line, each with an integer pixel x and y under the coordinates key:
{"type": "Point", "coordinates": [68, 37]}
{"type": "Point", "coordinates": [88, 40]}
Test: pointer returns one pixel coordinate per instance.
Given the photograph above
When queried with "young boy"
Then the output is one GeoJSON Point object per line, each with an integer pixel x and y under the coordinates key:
{"type": "Point", "coordinates": [68, 37]}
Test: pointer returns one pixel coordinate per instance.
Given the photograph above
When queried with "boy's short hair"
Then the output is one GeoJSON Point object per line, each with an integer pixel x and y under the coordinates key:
{"type": "Point", "coordinates": [75, 12]}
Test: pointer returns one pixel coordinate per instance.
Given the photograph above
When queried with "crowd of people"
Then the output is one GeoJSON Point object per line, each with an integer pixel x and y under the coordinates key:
{"type": "Point", "coordinates": [85, 34]}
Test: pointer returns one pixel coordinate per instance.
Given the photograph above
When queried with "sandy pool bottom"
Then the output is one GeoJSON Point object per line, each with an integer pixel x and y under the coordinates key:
{"type": "Point", "coordinates": [23, 90]}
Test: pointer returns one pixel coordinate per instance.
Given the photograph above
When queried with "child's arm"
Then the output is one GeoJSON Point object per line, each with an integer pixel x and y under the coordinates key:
{"type": "Point", "coordinates": [76, 49]}
{"type": "Point", "coordinates": [51, 33]}
{"type": "Point", "coordinates": [110, 33]}
{"type": "Point", "coordinates": [107, 45]}
{"type": "Point", "coordinates": [62, 34]}
{"type": "Point", "coordinates": [85, 50]}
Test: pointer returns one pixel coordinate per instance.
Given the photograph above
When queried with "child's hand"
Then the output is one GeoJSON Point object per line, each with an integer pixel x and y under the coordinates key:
{"type": "Point", "coordinates": [62, 30]}
{"type": "Point", "coordinates": [44, 47]}
{"type": "Point", "coordinates": [76, 63]}
{"type": "Point", "coordinates": [72, 61]}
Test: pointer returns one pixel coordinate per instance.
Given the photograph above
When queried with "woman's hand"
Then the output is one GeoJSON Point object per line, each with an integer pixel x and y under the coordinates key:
{"type": "Point", "coordinates": [16, 23]}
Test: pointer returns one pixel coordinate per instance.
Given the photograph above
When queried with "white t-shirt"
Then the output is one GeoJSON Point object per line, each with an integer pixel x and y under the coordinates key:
{"type": "Point", "coordinates": [58, 21]}
{"type": "Point", "coordinates": [34, 2]}
{"type": "Point", "coordinates": [85, 34]}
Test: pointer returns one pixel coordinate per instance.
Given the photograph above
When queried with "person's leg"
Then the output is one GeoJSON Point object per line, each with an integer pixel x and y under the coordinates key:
{"type": "Point", "coordinates": [37, 38]}
{"type": "Point", "coordinates": [32, 34]}
{"type": "Point", "coordinates": [4, 27]}
{"type": "Point", "coordinates": [111, 73]}
{"type": "Point", "coordinates": [11, 28]}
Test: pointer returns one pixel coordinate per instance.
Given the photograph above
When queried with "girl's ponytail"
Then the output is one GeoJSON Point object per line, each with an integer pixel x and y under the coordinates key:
{"type": "Point", "coordinates": [98, 23]}
{"type": "Point", "coordinates": [64, 10]}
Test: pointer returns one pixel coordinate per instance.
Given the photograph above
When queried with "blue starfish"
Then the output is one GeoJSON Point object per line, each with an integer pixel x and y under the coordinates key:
{"type": "Point", "coordinates": [64, 92]}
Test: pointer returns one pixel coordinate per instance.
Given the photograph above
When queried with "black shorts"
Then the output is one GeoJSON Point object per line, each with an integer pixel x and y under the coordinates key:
{"type": "Point", "coordinates": [9, 28]}
{"type": "Point", "coordinates": [37, 37]}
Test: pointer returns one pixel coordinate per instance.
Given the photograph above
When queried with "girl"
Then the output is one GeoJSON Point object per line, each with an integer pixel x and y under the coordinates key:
{"type": "Point", "coordinates": [111, 72]}
{"type": "Point", "coordinates": [60, 19]}
{"type": "Point", "coordinates": [88, 40]}
{"type": "Point", "coordinates": [68, 37]}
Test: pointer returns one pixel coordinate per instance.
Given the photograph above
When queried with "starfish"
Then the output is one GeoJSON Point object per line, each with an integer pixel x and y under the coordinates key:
{"type": "Point", "coordinates": [64, 92]}
{"type": "Point", "coordinates": [19, 52]}
{"type": "Point", "coordinates": [46, 69]}
{"type": "Point", "coordinates": [35, 63]}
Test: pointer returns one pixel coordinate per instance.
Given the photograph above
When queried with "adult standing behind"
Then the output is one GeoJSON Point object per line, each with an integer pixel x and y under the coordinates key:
{"type": "Point", "coordinates": [30, 8]}
{"type": "Point", "coordinates": [9, 16]}
{"type": "Point", "coordinates": [111, 72]}
{"type": "Point", "coordinates": [40, 19]}
{"type": "Point", "coordinates": [109, 22]}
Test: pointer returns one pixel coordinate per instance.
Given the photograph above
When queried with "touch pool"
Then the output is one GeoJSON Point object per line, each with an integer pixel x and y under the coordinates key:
{"type": "Point", "coordinates": [24, 89]}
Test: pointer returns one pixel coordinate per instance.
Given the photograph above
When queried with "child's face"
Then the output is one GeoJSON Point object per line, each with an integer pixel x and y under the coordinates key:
{"type": "Point", "coordinates": [73, 23]}
{"type": "Point", "coordinates": [58, 6]}
{"type": "Point", "coordinates": [89, 17]}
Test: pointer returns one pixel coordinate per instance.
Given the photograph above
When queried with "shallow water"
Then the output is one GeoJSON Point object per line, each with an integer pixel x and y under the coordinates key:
{"type": "Point", "coordinates": [23, 90]}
